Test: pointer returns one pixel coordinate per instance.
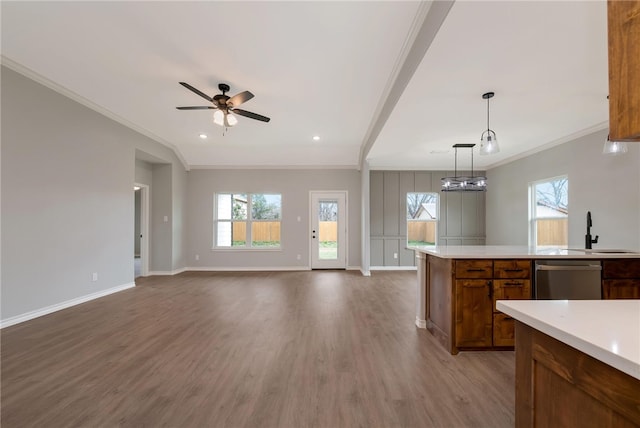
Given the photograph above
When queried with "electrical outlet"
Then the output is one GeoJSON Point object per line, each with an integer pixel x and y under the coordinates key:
{"type": "Point", "coordinates": [395, 255]}
{"type": "Point", "coordinates": [298, 257]}
{"type": "Point", "coordinates": [197, 257]}
{"type": "Point", "coordinates": [94, 276]}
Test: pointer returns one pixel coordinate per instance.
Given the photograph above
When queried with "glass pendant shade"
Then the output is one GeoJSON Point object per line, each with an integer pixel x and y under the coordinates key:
{"type": "Point", "coordinates": [614, 147]}
{"type": "Point", "coordinates": [489, 143]}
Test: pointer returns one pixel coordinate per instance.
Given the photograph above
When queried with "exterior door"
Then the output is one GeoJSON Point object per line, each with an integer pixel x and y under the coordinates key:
{"type": "Point", "coordinates": [328, 230]}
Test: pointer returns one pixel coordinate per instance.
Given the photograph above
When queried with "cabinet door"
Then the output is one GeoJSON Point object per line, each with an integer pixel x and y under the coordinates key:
{"type": "Point", "coordinates": [511, 289]}
{"type": "Point", "coordinates": [474, 313]}
{"type": "Point", "coordinates": [624, 70]}
{"type": "Point", "coordinates": [503, 330]}
{"type": "Point", "coordinates": [621, 288]}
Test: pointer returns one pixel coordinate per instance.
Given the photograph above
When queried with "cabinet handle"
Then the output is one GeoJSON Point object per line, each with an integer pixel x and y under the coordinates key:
{"type": "Point", "coordinates": [513, 270]}
{"type": "Point", "coordinates": [508, 318]}
{"type": "Point", "coordinates": [490, 289]}
{"type": "Point", "coordinates": [514, 284]}
{"type": "Point", "coordinates": [475, 270]}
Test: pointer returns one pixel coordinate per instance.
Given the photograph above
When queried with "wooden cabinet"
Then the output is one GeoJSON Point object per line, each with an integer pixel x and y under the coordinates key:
{"type": "Point", "coordinates": [560, 386]}
{"type": "Point", "coordinates": [474, 316]}
{"type": "Point", "coordinates": [478, 284]}
{"type": "Point", "coordinates": [624, 70]}
{"type": "Point", "coordinates": [621, 279]}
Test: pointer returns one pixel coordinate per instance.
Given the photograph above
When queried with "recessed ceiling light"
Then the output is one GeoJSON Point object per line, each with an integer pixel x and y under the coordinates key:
{"type": "Point", "coordinates": [316, 138]}
{"type": "Point", "coordinates": [203, 136]}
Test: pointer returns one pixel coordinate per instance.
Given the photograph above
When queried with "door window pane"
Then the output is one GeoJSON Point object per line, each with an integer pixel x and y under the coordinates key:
{"type": "Point", "coordinates": [328, 233]}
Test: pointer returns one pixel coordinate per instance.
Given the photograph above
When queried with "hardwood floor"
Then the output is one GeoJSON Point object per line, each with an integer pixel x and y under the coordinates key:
{"type": "Point", "coordinates": [267, 349]}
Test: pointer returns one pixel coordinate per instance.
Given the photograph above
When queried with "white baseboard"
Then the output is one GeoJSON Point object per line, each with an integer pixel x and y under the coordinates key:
{"type": "Point", "coordinates": [247, 269]}
{"type": "Point", "coordinates": [354, 268]}
{"type": "Point", "coordinates": [421, 323]}
{"type": "Point", "coordinates": [393, 268]}
{"type": "Point", "coordinates": [365, 273]}
{"type": "Point", "coordinates": [167, 272]}
{"type": "Point", "coordinates": [62, 305]}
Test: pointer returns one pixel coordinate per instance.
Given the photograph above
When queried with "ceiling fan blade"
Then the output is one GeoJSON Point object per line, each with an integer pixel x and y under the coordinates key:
{"type": "Point", "coordinates": [250, 115]}
{"type": "Point", "coordinates": [240, 98]}
{"type": "Point", "coordinates": [197, 91]}
{"type": "Point", "coordinates": [196, 108]}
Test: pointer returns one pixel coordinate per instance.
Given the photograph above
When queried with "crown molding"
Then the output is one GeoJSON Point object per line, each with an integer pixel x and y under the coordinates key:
{"type": "Point", "coordinates": [27, 72]}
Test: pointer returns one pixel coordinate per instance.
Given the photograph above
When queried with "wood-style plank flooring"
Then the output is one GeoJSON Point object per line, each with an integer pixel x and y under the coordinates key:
{"type": "Point", "coordinates": [259, 349]}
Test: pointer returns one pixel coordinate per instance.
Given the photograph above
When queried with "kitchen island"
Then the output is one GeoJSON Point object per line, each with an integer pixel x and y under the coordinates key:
{"type": "Point", "coordinates": [577, 362]}
{"type": "Point", "coordinates": [458, 286]}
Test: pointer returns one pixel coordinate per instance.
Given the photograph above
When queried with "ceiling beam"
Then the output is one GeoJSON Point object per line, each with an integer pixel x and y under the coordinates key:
{"type": "Point", "coordinates": [429, 19]}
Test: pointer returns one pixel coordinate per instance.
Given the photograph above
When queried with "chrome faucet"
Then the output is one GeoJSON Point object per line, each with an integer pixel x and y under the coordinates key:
{"type": "Point", "coordinates": [587, 238]}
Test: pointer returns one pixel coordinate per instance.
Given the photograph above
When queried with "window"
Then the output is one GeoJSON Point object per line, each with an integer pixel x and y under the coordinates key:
{"type": "Point", "coordinates": [549, 211]}
{"type": "Point", "coordinates": [422, 218]}
{"type": "Point", "coordinates": [247, 221]}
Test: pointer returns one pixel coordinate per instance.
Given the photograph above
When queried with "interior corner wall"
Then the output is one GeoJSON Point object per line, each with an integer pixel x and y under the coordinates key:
{"type": "Point", "coordinates": [461, 216]}
{"type": "Point", "coordinates": [608, 186]}
{"type": "Point", "coordinates": [294, 186]}
{"type": "Point", "coordinates": [67, 198]}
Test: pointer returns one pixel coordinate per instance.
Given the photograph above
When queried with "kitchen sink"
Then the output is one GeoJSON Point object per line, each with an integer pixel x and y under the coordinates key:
{"type": "Point", "coordinates": [597, 251]}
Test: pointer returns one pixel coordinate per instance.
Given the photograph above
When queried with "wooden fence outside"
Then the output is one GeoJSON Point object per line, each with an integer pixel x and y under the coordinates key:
{"type": "Point", "coordinates": [553, 232]}
{"type": "Point", "coordinates": [422, 231]}
{"type": "Point", "coordinates": [262, 231]}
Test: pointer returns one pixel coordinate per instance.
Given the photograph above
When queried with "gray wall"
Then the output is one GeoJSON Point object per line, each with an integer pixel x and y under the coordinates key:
{"type": "Point", "coordinates": [67, 208]}
{"type": "Point", "coordinates": [294, 185]}
{"type": "Point", "coordinates": [608, 186]}
{"type": "Point", "coordinates": [461, 217]}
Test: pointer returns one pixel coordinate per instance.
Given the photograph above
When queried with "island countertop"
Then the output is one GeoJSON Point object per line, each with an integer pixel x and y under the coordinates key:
{"type": "Point", "coordinates": [522, 252]}
{"type": "Point", "coordinates": [607, 330]}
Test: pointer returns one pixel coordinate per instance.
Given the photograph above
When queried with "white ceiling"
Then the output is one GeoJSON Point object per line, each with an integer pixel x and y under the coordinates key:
{"type": "Point", "coordinates": [327, 69]}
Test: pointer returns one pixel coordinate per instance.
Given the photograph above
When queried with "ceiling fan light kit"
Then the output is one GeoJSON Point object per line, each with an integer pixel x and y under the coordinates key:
{"type": "Point", "coordinates": [461, 183]}
{"type": "Point", "coordinates": [224, 105]}
{"type": "Point", "coordinates": [488, 139]}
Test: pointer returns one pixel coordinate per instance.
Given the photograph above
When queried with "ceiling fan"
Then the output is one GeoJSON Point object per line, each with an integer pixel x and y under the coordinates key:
{"type": "Point", "coordinates": [224, 105]}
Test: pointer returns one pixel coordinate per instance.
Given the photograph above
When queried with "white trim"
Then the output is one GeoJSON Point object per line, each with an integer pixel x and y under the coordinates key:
{"type": "Point", "coordinates": [393, 268]}
{"type": "Point", "coordinates": [300, 167]}
{"type": "Point", "coordinates": [167, 272]}
{"type": "Point", "coordinates": [63, 305]}
{"type": "Point", "coordinates": [421, 323]}
{"type": "Point", "coordinates": [247, 269]}
{"type": "Point", "coordinates": [144, 227]}
{"type": "Point", "coordinates": [365, 273]}
{"type": "Point", "coordinates": [343, 229]}
{"type": "Point", "coordinates": [27, 72]}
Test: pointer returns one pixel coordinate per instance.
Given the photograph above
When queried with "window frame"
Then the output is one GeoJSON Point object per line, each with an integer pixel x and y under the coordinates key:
{"type": "Point", "coordinates": [533, 219]}
{"type": "Point", "coordinates": [249, 222]}
{"type": "Point", "coordinates": [435, 221]}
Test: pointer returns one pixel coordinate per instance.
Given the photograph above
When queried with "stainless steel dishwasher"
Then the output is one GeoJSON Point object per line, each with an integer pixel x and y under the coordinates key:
{"type": "Point", "coordinates": [568, 279]}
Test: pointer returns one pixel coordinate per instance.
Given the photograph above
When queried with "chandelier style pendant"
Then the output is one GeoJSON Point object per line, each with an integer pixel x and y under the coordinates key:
{"type": "Point", "coordinates": [471, 183]}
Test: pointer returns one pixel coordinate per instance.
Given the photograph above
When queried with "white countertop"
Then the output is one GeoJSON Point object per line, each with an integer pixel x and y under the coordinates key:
{"type": "Point", "coordinates": [608, 330]}
{"type": "Point", "coordinates": [516, 251]}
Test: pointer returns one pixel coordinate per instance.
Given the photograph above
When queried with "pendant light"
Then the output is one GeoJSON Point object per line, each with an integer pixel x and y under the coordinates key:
{"type": "Point", "coordinates": [463, 183]}
{"type": "Point", "coordinates": [488, 139]}
{"type": "Point", "coordinates": [614, 148]}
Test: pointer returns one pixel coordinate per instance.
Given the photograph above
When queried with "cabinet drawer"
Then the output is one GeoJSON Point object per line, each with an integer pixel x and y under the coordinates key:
{"type": "Point", "coordinates": [512, 269]}
{"type": "Point", "coordinates": [474, 268]}
{"type": "Point", "coordinates": [621, 268]}
{"type": "Point", "coordinates": [503, 330]}
{"type": "Point", "coordinates": [621, 288]}
{"type": "Point", "coordinates": [511, 289]}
